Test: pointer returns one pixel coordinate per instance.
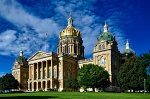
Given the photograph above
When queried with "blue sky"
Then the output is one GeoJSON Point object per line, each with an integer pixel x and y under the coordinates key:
{"type": "Point", "coordinates": [24, 23]}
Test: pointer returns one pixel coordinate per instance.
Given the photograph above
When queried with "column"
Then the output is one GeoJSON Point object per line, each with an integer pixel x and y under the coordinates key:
{"type": "Point", "coordinates": [37, 70]}
{"type": "Point", "coordinates": [28, 85]}
{"type": "Point", "coordinates": [32, 86]}
{"type": "Point", "coordinates": [47, 69]}
{"type": "Point", "coordinates": [29, 71]}
{"type": "Point", "coordinates": [46, 85]}
{"type": "Point", "coordinates": [42, 69]}
{"type": "Point", "coordinates": [33, 72]}
{"type": "Point", "coordinates": [51, 81]}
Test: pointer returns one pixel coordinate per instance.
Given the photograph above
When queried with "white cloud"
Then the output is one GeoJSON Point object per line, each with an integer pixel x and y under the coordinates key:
{"type": "Point", "coordinates": [32, 29]}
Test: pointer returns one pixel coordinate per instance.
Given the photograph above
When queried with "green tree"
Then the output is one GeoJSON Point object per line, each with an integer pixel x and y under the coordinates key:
{"type": "Point", "coordinates": [131, 74]}
{"type": "Point", "coordinates": [146, 61]}
{"type": "Point", "coordinates": [93, 76]}
{"type": "Point", "coordinates": [72, 83]}
{"type": "Point", "coordinates": [8, 82]}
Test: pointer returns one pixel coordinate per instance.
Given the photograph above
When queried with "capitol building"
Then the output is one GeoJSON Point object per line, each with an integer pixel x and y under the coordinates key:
{"type": "Point", "coordinates": [45, 71]}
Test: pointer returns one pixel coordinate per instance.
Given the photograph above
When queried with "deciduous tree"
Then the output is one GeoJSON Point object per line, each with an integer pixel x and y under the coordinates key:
{"type": "Point", "coordinates": [132, 74]}
{"type": "Point", "coordinates": [93, 76]}
{"type": "Point", "coordinates": [8, 82]}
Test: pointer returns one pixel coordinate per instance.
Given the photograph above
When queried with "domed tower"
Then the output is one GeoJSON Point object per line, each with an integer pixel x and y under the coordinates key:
{"type": "Point", "coordinates": [127, 52]}
{"type": "Point", "coordinates": [20, 70]}
{"type": "Point", "coordinates": [106, 53]}
{"type": "Point", "coordinates": [70, 41]}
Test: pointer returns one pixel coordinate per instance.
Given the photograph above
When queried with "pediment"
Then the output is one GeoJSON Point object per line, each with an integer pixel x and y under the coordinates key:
{"type": "Point", "coordinates": [39, 55]}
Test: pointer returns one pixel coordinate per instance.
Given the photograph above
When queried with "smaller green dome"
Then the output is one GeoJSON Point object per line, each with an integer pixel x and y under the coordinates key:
{"type": "Point", "coordinates": [128, 50]}
{"type": "Point", "coordinates": [21, 59]}
{"type": "Point", "coordinates": [107, 36]}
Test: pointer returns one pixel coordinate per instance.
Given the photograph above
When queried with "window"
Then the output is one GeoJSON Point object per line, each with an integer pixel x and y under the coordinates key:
{"type": "Point", "coordinates": [55, 86]}
{"type": "Point", "coordinates": [69, 74]}
{"type": "Point", "coordinates": [103, 61]}
{"type": "Point", "coordinates": [49, 73]}
{"type": "Point", "coordinates": [100, 47]}
{"type": "Point", "coordinates": [40, 74]}
{"type": "Point", "coordinates": [44, 73]}
{"type": "Point", "coordinates": [103, 47]}
{"type": "Point", "coordinates": [63, 49]}
{"type": "Point", "coordinates": [54, 73]}
{"type": "Point", "coordinates": [36, 75]}
{"type": "Point", "coordinates": [68, 49]}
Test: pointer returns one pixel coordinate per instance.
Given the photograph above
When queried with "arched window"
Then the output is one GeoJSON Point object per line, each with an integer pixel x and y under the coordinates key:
{"type": "Point", "coordinates": [100, 47]}
{"type": "Point", "coordinates": [103, 60]}
{"type": "Point", "coordinates": [103, 47]}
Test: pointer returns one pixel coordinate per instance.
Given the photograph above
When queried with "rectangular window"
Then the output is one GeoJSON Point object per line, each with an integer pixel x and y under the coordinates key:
{"type": "Point", "coordinates": [55, 73]}
{"type": "Point", "coordinates": [49, 73]}
{"type": "Point", "coordinates": [44, 73]}
{"type": "Point", "coordinates": [40, 74]}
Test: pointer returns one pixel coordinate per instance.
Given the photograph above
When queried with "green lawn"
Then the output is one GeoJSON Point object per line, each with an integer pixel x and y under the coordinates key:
{"type": "Point", "coordinates": [74, 95]}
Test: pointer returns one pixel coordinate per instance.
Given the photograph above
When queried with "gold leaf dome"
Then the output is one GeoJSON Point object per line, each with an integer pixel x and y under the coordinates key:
{"type": "Point", "coordinates": [70, 30]}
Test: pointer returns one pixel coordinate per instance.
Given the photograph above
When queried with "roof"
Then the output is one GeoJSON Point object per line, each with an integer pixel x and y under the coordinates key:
{"type": "Point", "coordinates": [106, 36]}
{"type": "Point", "coordinates": [70, 31]}
{"type": "Point", "coordinates": [21, 59]}
{"type": "Point", "coordinates": [128, 51]}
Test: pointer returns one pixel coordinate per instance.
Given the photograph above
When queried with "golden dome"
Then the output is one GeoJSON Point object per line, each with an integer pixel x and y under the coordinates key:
{"type": "Point", "coordinates": [70, 30]}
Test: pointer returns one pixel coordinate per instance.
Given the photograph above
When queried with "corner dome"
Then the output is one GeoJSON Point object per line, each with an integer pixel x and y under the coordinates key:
{"type": "Point", "coordinates": [21, 58]}
{"type": "Point", "coordinates": [70, 30]}
{"type": "Point", "coordinates": [106, 36]}
{"type": "Point", "coordinates": [128, 50]}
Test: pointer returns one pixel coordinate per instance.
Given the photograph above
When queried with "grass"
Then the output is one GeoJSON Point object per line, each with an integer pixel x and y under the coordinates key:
{"type": "Point", "coordinates": [74, 95]}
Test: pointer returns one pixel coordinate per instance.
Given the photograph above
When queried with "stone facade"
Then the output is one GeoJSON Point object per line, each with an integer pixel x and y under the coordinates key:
{"type": "Point", "coordinates": [51, 70]}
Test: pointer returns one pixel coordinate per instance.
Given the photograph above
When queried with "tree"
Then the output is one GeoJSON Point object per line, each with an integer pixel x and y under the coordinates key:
{"type": "Point", "coordinates": [131, 74]}
{"type": "Point", "coordinates": [146, 61]}
{"type": "Point", "coordinates": [93, 76]}
{"type": "Point", "coordinates": [8, 82]}
{"type": "Point", "coordinates": [72, 83]}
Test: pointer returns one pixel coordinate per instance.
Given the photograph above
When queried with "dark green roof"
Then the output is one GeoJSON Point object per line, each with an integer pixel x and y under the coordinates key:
{"type": "Point", "coordinates": [21, 59]}
{"type": "Point", "coordinates": [107, 36]}
{"type": "Point", "coordinates": [128, 51]}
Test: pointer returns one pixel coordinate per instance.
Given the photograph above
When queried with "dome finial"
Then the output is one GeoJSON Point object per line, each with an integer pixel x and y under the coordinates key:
{"type": "Point", "coordinates": [127, 45]}
{"type": "Point", "coordinates": [21, 52]}
{"type": "Point", "coordinates": [105, 27]}
{"type": "Point", "coordinates": [70, 20]}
